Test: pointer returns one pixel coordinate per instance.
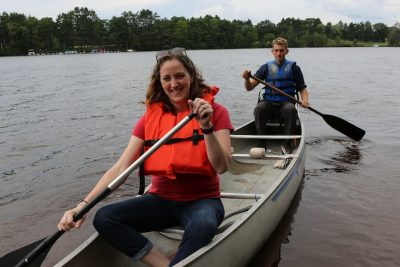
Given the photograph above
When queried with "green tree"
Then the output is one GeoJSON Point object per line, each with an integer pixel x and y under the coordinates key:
{"type": "Point", "coordinates": [293, 30]}
{"type": "Point", "coordinates": [197, 33]}
{"type": "Point", "coordinates": [148, 34]}
{"type": "Point", "coordinates": [368, 32]}
{"type": "Point", "coordinates": [250, 35]}
{"type": "Point", "coordinates": [18, 34]}
{"type": "Point", "coordinates": [4, 38]}
{"type": "Point", "coordinates": [337, 34]}
{"type": "Point", "coordinates": [66, 32]}
{"type": "Point", "coordinates": [100, 33]}
{"type": "Point", "coordinates": [82, 29]}
{"type": "Point", "coordinates": [329, 30]}
{"type": "Point", "coordinates": [245, 34]}
{"type": "Point", "coordinates": [380, 32]}
{"type": "Point", "coordinates": [312, 25]}
{"type": "Point", "coordinates": [47, 34]}
{"type": "Point", "coordinates": [266, 32]}
{"type": "Point", "coordinates": [394, 37]}
{"type": "Point", "coordinates": [118, 33]}
{"type": "Point", "coordinates": [293, 37]}
{"type": "Point", "coordinates": [84, 22]}
{"type": "Point", "coordinates": [315, 40]}
{"type": "Point", "coordinates": [34, 39]}
{"type": "Point", "coordinates": [212, 32]}
{"type": "Point", "coordinates": [180, 32]}
{"type": "Point", "coordinates": [133, 29]}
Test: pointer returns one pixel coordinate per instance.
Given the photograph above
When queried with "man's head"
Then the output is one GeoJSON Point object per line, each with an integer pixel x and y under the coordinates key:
{"type": "Point", "coordinates": [279, 49]}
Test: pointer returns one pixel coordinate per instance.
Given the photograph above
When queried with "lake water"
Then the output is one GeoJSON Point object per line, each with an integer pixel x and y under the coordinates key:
{"type": "Point", "coordinates": [66, 119]}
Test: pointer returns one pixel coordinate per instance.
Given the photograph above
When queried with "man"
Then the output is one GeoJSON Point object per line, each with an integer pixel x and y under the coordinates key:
{"type": "Point", "coordinates": [285, 75]}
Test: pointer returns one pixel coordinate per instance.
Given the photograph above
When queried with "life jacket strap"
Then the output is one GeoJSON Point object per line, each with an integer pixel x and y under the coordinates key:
{"type": "Point", "coordinates": [195, 139]}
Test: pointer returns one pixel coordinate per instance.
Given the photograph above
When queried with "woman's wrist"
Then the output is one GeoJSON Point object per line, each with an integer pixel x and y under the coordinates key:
{"type": "Point", "coordinates": [207, 129]}
{"type": "Point", "coordinates": [82, 203]}
{"type": "Point", "coordinates": [206, 126]}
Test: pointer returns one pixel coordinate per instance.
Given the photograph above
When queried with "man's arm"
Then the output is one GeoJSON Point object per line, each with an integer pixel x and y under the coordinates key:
{"type": "Point", "coordinates": [298, 78]}
{"type": "Point", "coordinates": [304, 98]}
{"type": "Point", "coordinates": [300, 85]}
{"type": "Point", "coordinates": [249, 83]}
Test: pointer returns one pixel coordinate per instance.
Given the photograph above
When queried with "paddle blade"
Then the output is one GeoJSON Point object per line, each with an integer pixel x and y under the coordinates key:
{"type": "Point", "coordinates": [344, 127]}
{"type": "Point", "coordinates": [14, 257]}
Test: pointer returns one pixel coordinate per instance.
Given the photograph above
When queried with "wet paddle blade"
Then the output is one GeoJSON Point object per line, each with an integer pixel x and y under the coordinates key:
{"type": "Point", "coordinates": [344, 127]}
{"type": "Point", "coordinates": [31, 255]}
{"type": "Point", "coordinates": [14, 257]}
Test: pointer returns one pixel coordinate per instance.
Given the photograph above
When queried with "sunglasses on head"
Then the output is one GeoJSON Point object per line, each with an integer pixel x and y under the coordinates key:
{"type": "Point", "coordinates": [176, 51]}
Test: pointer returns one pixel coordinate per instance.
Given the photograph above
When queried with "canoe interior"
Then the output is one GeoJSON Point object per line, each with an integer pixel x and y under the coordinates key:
{"type": "Point", "coordinates": [251, 219]}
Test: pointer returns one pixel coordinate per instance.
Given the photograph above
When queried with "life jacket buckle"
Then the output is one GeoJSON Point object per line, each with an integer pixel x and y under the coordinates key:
{"type": "Point", "coordinates": [195, 136]}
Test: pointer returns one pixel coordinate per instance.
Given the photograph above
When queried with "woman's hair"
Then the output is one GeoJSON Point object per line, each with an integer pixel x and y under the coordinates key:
{"type": "Point", "coordinates": [155, 92]}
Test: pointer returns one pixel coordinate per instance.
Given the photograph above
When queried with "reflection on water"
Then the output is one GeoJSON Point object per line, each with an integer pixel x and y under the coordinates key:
{"type": "Point", "coordinates": [270, 254]}
{"type": "Point", "coordinates": [351, 155]}
{"type": "Point", "coordinates": [336, 155]}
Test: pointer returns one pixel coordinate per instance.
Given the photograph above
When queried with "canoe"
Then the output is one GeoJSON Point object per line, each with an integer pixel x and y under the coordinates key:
{"type": "Point", "coordinates": [255, 193]}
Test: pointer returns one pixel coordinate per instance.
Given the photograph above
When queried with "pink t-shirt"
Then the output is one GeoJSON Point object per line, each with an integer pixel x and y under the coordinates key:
{"type": "Point", "coordinates": [188, 187]}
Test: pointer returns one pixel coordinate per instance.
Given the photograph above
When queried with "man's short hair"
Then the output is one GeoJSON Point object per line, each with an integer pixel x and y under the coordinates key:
{"type": "Point", "coordinates": [280, 41]}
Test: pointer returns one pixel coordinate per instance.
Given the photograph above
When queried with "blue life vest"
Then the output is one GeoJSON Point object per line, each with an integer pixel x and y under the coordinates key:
{"type": "Point", "coordinates": [280, 76]}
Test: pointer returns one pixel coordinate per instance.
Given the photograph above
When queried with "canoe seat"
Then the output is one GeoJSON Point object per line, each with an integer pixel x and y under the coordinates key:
{"type": "Point", "coordinates": [277, 124]}
{"type": "Point", "coordinates": [274, 123]}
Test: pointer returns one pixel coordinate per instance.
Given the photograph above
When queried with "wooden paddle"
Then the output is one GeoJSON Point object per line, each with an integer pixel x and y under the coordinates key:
{"type": "Point", "coordinates": [35, 253]}
{"type": "Point", "coordinates": [336, 123]}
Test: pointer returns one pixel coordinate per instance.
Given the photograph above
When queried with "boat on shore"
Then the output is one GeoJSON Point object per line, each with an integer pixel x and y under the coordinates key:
{"type": "Point", "coordinates": [256, 193]}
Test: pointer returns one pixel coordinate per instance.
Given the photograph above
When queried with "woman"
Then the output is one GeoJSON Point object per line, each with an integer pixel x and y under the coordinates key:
{"type": "Point", "coordinates": [185, 182]}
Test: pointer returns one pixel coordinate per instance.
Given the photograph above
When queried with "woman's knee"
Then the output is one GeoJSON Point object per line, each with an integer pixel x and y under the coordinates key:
{"type": "Point", "coordinates": [204, 227]}
{"type": "Point", "coordinates": [101, 219]}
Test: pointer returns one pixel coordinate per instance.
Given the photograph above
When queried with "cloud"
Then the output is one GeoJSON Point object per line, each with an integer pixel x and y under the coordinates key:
{"type": "Point", "coordinates": [52, 8]}
{"type": "Point", "coordinates": [385, 11]}
{"type": "Point", "coordinates": [327, 10]}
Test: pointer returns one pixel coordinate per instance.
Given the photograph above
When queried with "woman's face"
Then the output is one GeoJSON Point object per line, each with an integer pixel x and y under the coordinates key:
{"type": "Point", "coordinates": [175, 80]}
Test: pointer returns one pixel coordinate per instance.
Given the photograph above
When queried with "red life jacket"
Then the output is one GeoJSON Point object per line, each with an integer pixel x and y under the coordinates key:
{"type": "Point", "coordinates": [186, 152]}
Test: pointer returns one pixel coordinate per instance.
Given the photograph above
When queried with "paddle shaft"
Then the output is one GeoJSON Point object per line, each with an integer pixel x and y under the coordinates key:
{"type": "Point", "coordinates": [294, 100]}
{"type": "Point", "coordinates": [49, 241]}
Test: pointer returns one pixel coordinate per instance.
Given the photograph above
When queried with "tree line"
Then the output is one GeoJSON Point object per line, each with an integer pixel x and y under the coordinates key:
{"type": "Point", "coordinates": [82, 30]}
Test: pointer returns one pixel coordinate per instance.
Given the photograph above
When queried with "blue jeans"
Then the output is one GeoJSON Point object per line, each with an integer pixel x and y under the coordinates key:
{"type": "Point", "coordinates": [122, 222]}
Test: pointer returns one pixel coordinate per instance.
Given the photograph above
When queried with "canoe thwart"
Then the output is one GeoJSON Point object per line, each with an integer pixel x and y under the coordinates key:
{"type": "Point", "coordinates": [241, 195]}
{"type": "Point", "coordinates": [287, 156]}
{"type": "Point", "coordinates": [271, 137]}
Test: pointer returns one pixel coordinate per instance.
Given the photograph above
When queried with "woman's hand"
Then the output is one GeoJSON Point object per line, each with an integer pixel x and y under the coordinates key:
{"type": "Point", "coordinates": [203, 110]}
{"type": "Point", "coordinates": [67, 221]}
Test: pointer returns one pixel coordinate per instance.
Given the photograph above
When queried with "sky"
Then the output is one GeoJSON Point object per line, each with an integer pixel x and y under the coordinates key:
{"type": "Point", "coordinates": [374, 11]}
